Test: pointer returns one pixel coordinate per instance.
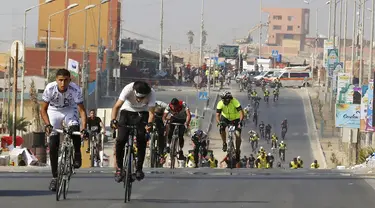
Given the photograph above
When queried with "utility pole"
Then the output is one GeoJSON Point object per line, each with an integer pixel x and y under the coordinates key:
{"type": "Point", "coordinates": [161, 34]}
{"type": "Point", "coordinates": [353, 37]}
{"type": "Point", "coordinates": [371, 39]}
{"type": "Point", "coordinates": [340, 28]}
{"type": "Point", "coordinates": [362, 42]}
{"type": "Point", "coordinates": [85, 70]}
{"type": "Point", "coordinates": [119, 56]}
{"type": "Point", "coordinates": [260, 29]}
{"type": "Point", "coordinates": [15, 69]}
{"type": "Point", "coordinates": [345, 31]}
{"type": "Point", "coordinates": [329, 19]}
{"type": "Point", "coordinates": [109, 49]}
{"type": "Point", "coordinates": [201, 36]}
{"type": "Point", "coordinates": [11, 65]}
{"type": "Point", "coordinates": [334, 23]}
{"type": "Point", "coordinates": [98, 60]}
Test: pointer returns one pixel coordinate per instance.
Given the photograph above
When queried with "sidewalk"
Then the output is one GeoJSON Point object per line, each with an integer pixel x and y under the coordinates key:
{"type": "Point", "coordinates": [328, 134]}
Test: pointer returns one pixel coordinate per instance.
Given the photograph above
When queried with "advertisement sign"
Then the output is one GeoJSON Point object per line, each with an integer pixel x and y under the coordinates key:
{"type": "Point", "coordinates": [73, 67]}
{"type": "Point", "coordinates": [348, 115]}
{"type": "Point", "coordinates": [344, 89]}
{"type": "Point", "coordinates": [364, 105]}
{"type": "Point", "coordinates": [338, 69]}
{"type": "Point", "coordinates": [328, 44]}
{"type": "Point", "coordinates": [370, 94]}
{"type": "Point", "coordinates": [332, 60]}
{"type": "Point", "coordinates": [228, 51]}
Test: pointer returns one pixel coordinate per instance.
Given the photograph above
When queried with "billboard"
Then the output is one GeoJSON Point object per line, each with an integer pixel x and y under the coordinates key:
{"type": "Point", "coordinates": [228, 51]}
{"type": "Point", "coordinates": [348, 115]}
{"type": "Point", "coordinates": [370, 94]}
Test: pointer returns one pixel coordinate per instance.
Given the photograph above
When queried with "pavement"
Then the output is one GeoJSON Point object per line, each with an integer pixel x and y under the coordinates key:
{"type": "Point", "coordinates": [291, 105]}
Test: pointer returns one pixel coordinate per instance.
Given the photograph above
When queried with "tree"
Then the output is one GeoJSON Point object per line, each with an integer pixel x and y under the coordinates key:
{"type": "Point", "coordinates": [204, 37]}
{"type": "Point", "coordinates": [190, 35]}
{"type": "Point", "coordinates": [21, 124]}
{"type": "Point", "coordinates": [37, 126]}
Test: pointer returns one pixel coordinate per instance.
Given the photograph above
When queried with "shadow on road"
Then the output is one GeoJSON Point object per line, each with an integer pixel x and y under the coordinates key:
{"type": "Point", "coordinates": [16, 193]}
{"type": "Point", "coordinates": [190, 201]}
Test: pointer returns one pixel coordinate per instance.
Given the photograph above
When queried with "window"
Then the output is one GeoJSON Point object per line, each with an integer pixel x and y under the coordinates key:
{"type": "Point", "coordinates": [277, 27]}
{"type": "Point", "coordinates": [288, 36]}
{"type": "Point", "coordinates": [277, 17]}
{"type": "Point", "coordinates": [299, 75]}
{"type": "Point", "coordinates": [290, 18]}
{"type": "Point", "coordinates": [290, 28]}
{"type": "Point", "coordinates": [285, 75]}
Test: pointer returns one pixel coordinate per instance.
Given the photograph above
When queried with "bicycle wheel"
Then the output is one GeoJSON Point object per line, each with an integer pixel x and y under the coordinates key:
{"type": "Point", "coordinates": [230, 153]}
{"type": "Point", "coordinates": [67, 172]}
{"type": "Point", "coordinates": [92, 152]}
{"type": "Point", "coordinates": [200, 157]}
{"type": "Point", "coordinates": [127, 169]}
{"type": "Point", "coordinates": [153, 151]}
{"type": "Point", "coordinates": [60, 175]}
{"type": "Point", "coordinates": [172, 154]}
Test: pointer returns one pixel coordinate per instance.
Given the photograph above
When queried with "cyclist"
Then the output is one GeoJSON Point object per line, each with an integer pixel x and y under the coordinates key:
{"type": "Point", "coordinates": [261, 161]}
{"type": "Point", "coordinates": [247, 111]}
{"type": "Point", "coordinates": [266, 95]}
{"type": "Point", "coordinates": [284, 125]}
{"type": "Point", "coordinates": [254, 138]}
{"type": "Point", "coordinates": [180, 113]}
{"type": "Point", "coordinates": [200, 139]}
{"type": "Point", "coordinates": [274, 140]}
{"type": "Point", "coordinates": [261, 128]}
{"type": "Point", "coordinates": [229, 111]}
{"type": "Point", "coordinates": [275, 94]}
{"type": "Point", "coordinates": [314, 165]}
{"type": "Point", "coordinates": [136, 104]}
{"type": "Point", "coordinates": [294, 164]}
{"type": "Point", "coordinates": [282, 148]}
{"type": "Point", "coordinates": [251, 161]}
{"type": "Point", "coordinates": [255, 117]}
{"type": "Point", "coordinates": [160, 107]}
{"type": "Point", "coordinates": [300, 162]}
{"type": "Point", "coordinates": [254, 94]}
{"type": "Point", "coordinates": [270, 158]}
{"type": "Point", "coordinates": [268, 130]}
{"type": "Point", "coordinates": [261, 151]}
{"type": "Point", "coordinates": [95, 125]}
{"type": "Point", "coordinates": [62, 102]}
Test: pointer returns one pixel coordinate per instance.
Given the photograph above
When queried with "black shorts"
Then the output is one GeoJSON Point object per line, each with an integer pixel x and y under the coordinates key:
{"type": "Point", "coordinates": [228, 122]}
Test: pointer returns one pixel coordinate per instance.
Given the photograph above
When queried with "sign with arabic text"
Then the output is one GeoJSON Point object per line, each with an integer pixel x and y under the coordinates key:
{"type": "Point", "coordinates": [228, 51]}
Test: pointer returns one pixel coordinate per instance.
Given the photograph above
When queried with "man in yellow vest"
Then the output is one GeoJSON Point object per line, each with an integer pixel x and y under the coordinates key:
{"type": "Point", "coordinates": [293, 164]}
{"type": "Point", "coordinates": [314, 165]}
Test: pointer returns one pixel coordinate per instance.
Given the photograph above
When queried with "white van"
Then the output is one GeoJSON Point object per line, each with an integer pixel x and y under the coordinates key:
{"type": "Point", "coordinates": [295, 78]}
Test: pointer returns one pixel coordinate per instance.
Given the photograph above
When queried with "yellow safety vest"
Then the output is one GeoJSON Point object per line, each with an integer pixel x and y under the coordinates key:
{"type": "Point", "coordinates": [294, 165]}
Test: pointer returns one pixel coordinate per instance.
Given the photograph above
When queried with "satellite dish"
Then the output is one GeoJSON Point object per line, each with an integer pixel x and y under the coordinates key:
{"type": "Point", "coordinates": [21, 50]}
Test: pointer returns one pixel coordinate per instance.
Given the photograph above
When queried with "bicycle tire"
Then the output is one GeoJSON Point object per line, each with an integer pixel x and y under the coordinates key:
{"type": "Point", "coordinates": [68, 171]}
{"type": "Point", "coordinates": [127, 170]}
{"type": "Point", "coordinates": [92, 153]}
{"type": "Point", "coordinates": [172, 154]}
{"type": "Point", "coordinates": [153, 148]}
{"type": "Point", "coordinates": [60, 174]}
{"type": "Point", "coordinates": [200, 157]}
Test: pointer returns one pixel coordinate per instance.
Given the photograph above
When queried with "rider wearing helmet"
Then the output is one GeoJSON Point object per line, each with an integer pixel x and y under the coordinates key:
{"type": "Point", "coordinates": [282, 148]}
{"type": "Point", "coordinates": [229, 111]}
{"type": "Point", "coordinates": [300, 162]}
{"type": "Point", "coordinates": [284, 124]}
{"type": "Point", "coordinates": [270, 160]}
{"type": "Point", "coordinates": [314, 165]}
{"type": "Point", "coordinates": [200, 139]}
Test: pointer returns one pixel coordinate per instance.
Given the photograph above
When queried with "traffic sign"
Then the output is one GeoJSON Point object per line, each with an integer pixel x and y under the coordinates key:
{"type": "Point", "coordinates": [20, 50]}
{"type": "Point", "coordinates": [203, 95]}
{"type": "Point", "coordinates": [275, 53]}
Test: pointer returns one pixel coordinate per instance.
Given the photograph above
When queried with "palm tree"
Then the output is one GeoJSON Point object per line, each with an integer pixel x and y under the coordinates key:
{"type": "Point", "coordinates": [37, 126]}
{"type": "Point", "coordinates": [190, 35]}
{"type": "Point", "coordinates": [21, 124]}
{"type": "Point", "coordinates": [204, 37]}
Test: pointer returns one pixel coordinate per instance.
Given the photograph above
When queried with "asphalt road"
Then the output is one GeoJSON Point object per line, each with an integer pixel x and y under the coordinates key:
{"type": "Point", "coordinates": [205, 188]}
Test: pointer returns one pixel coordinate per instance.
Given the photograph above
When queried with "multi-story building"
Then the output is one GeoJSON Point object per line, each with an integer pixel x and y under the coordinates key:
{"type": "Point", "coordinates": [287, 27]}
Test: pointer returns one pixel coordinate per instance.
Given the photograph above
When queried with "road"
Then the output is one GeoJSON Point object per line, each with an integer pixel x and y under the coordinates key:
{"type": "Point", "coordinates": [205, 188]}
{"type": "Point", "coordinates": [289, 106]}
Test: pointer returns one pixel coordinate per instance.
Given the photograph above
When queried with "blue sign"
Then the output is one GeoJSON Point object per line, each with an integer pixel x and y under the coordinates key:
{"type": "Point", "coordinates": [203, 95]}
{"type": "Point", "coordinates": [275, 53]}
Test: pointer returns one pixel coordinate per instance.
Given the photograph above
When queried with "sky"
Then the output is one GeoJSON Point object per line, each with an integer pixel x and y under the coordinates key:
{"type": "Point", "coordinates": [224, 20]}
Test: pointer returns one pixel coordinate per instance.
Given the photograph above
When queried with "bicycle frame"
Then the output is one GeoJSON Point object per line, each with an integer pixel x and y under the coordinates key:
{"type": "Point", "coordinates": [174, 142]}
{"type": "Point", "coordinates": [154, 146]}
{"type": "Point", "coordinates": [129, 162]}
{"type": "Point", "coordinates": [231, 150]}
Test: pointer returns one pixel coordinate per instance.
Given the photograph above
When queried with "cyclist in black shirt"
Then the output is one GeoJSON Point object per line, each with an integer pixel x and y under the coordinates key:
{"type": "Point", "coordinates": [94, 124]}
{"type": "Point", "coordinates": [268, 130]}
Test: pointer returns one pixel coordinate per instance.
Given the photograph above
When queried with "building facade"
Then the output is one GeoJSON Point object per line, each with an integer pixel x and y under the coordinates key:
{"type": "Point", "coordinates": [287, 27]}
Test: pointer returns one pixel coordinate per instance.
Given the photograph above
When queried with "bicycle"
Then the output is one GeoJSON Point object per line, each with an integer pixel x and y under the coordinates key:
{"type": "Point", "coordinates": [283, 133]}
{"type": "Point", "coordinates": [268, 137]}
{"type": "Point", "coordinates": [274, 143]}
{"type": "Point", "coordinates": [94, 150]}
{"type": "Point", "coordinates": [174, 142]}
{"type": "Point", "coordinates": [266, 98]}
{"type": "Point", "coordinates": [255, 118]}
{"type": "Point", "coordinates": [275, 97]}
{"type": "Point", "coordinates": [282, 155]}
{"type": "Point", "coordinates": [65, 168]}
{"type": "Point", "coordinates": [230, 149]}
{"type": "Point", "coordinates": [261, 132]}
{"type": "Point", "coordinates": [254, 145]}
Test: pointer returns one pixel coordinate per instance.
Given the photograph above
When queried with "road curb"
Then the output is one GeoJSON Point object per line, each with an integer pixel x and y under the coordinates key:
{"type": "Point", "coordinates": [315, 131]}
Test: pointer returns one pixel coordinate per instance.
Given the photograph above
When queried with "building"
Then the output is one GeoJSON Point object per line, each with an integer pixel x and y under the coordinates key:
{"type": "Point", "coordinates": [110, 21]}
{"type": "Point", "coordinates": [287, 29]}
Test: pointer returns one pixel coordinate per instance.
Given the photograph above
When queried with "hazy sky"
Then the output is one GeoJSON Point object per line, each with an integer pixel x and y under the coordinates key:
{"type": "Point", "coordinates": [224, 20]}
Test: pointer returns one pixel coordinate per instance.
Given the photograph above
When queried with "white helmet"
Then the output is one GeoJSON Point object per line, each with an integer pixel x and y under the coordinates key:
{"type": "Point", "coordinates": [261, 148]}
{"type": "Point", "coordinates": [269, 154]}
{"type": "Point", "coordinates": [299, 157]}
{"type": "Point", "coordinates": [226, 94]}
{"type": "Point", "coordinates": [282, 142]}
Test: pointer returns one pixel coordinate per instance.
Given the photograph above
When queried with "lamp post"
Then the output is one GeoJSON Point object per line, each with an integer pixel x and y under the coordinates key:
{"type": "Point", "coordinates": [24, 55]}
{"type": "Point", "coordinates": [98, 62]}
{"type": "Point", "coordinates": [71, 6]}
{"type": "Point", "coordinates": [371, 39]}
{"type": "Point", "coordinates": [67, 31]}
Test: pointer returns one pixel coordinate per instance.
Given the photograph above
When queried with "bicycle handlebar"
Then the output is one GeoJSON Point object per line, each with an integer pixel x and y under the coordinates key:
{"type": "Point", "coordinates": [77, 133]}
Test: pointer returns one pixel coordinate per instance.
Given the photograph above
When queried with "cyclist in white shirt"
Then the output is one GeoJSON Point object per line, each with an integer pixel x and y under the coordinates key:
{"type": "Point", "coordinates": [136, 104]}
{"type": "Point", "coordinates": [62, 102]}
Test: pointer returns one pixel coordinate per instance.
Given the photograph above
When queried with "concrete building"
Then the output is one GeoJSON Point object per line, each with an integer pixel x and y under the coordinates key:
{"type": "Point", "coordinates": [287, 29]}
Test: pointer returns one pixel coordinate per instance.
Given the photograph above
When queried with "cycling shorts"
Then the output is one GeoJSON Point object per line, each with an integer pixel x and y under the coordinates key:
{"type": "Point", "coordinates": [68, 116]}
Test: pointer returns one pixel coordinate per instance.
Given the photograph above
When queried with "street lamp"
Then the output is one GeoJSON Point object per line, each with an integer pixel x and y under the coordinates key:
{"type": "Point", "coordinates": [71, 6]}
{"type": "Point", "coordinates": [98, 55]}
{"type": "Point", "coordinates": [24, 55]}
{"type": "Point", "coordinates": [67, 31]}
